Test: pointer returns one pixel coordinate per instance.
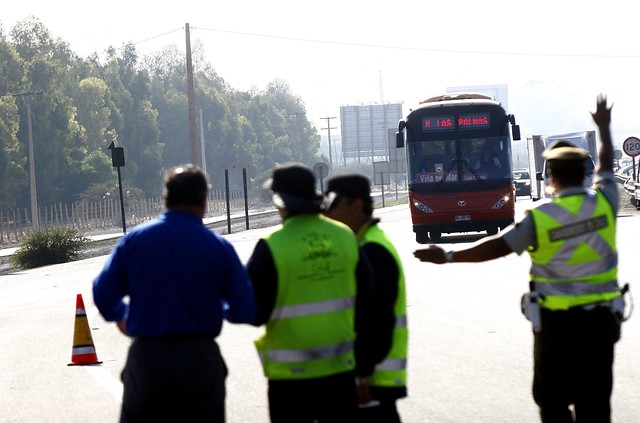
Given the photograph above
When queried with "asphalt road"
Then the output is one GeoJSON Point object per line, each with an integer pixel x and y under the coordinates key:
{"type": "Point", "coordinates": [470, 353]}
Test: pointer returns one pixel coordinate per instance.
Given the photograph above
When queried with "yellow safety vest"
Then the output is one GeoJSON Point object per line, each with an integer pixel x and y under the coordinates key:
{"type": "Point", "coordinates": [311, 331]}
{"type": "Point", "coordinates": [392, 371]}
{"type": "Point", "coordinates": [576, 261]}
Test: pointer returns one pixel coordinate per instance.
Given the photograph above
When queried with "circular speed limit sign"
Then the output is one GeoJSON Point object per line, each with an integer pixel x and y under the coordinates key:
{"type": "Point", "coordinates": [631, 146]}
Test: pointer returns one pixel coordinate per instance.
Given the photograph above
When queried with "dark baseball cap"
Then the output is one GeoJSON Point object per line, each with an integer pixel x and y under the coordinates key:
{"type": "Point", "coordinates": [294, 188]}
{"type": "Point", "coordinates": [353, 185]}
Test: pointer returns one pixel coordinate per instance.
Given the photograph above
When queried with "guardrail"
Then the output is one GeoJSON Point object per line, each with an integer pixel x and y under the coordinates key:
{"type": "Point", "coordinates": [631, 187]}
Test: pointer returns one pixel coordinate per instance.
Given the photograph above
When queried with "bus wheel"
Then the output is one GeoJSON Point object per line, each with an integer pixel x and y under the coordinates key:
{"type": "Point", "coordinates": [422, 238]}
{"type": "Point", "coordinates": [492, 231]}
{"type": "Point", "coordinates": [435, 236]}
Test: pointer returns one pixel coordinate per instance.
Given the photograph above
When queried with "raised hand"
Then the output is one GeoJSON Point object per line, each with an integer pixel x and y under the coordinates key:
{"type": "Point", "coordinates": [602, 115]}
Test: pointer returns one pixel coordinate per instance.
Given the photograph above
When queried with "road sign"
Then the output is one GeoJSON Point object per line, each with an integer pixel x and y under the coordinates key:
{"type": "Point", "coordinates": [321, 170]}
{"type": "Point", "coordinates": [631, 146]}
{"type": "Point", "coordinates": [381, 173]}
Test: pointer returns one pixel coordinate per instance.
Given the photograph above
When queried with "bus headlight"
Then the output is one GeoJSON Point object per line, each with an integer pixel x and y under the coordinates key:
{"type": "Point", "coordinates": [423, 208]}
{"type": "Point", "coordinates": [500, 203]}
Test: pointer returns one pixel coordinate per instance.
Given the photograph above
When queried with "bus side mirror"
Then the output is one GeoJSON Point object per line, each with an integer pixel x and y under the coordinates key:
{"type": "Point", "coordinates": [539, 176]}
{"type": "Point", "coordinates": [399, 139]}
{"type": "Point", "coordinates": [400, 134]}
{"type": "Point", "coordinates": [515, 131]}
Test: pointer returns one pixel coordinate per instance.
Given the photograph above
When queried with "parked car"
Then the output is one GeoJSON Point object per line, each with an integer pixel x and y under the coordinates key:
{"type": "Point", "coordinates": [522, 182]}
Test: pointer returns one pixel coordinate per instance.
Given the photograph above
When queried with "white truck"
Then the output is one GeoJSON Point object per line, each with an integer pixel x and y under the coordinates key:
{"type": "Point", "coordinates": [536, 144]}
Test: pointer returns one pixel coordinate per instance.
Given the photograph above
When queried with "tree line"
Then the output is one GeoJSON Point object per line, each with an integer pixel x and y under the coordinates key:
{"type": "Point", "coordinates": [80, 105]}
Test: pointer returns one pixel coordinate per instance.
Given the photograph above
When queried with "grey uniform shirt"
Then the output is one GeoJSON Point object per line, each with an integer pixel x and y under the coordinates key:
{"type": "Point", "coordinates": [522, 235]}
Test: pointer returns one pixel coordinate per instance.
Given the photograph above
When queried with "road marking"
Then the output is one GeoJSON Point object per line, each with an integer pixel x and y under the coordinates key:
{"type": "Point", "coordinates": [111, 384]}
{"type": "Point", "coordinates": [107, 381]}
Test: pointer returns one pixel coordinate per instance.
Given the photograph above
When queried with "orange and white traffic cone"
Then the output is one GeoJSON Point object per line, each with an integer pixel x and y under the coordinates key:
{"type": "Point", "coordinates": [84, 352]}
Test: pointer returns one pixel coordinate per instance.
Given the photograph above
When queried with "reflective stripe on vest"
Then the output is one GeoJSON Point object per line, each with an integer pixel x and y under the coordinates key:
{"type": "Point", "coordinates": [308, 309]}
{"type": "Point", "coordinates": [392, 364]}
{"type": "Point", "coordinates": [401, 321]}
{"type": "Point", "coordinates": [575, 262]}
{"type": "Point", "coordinates": [574, 288]}
{"type": "Point", "coordinates": [392, 371]}
{"type": "Point", "coordinates": [290, 356]}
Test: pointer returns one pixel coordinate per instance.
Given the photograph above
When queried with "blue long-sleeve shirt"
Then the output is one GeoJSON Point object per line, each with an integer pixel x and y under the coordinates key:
{"type": "Point", "coordinates": [181, 279]}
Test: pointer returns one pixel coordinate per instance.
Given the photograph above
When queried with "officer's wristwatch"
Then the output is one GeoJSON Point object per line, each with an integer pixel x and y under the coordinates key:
{"type": "Point", "coordinates": [448, 255]}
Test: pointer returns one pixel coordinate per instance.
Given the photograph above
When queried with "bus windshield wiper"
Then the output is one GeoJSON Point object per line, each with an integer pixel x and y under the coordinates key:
{"type": "Point", "coordinates": [472, 170]}
{"type": "Point", "coordinates": [466, 163]}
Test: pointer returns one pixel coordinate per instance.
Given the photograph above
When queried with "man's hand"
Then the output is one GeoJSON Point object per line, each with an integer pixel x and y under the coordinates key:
{"type": "Point", "coordinates": [602, 115]}
{"type": "Point", "coordinates": [122, 325]}
{"type": "Point", "coordinates": [432, 254]}
{"type": "Point", "coordinates": [362, 391]}
{"type": "Point", "coordinates": [602, 118]}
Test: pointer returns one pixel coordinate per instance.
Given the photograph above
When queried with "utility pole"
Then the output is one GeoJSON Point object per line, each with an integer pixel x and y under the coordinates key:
{"type": "Point", "coordinates": [190, 99]}
{"type": "Point", "coordinates": [329, 128]}
{"type": "Point", "coordinates": [297, 130]}
{"type": "Point", "coordinates": [204, 158]}
{"type": "Point", "coordinates": [32, 166]}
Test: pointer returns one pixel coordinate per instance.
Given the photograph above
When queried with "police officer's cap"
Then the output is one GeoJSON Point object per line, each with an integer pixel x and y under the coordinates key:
{"type": "Point", "coordinates": [565, 154]}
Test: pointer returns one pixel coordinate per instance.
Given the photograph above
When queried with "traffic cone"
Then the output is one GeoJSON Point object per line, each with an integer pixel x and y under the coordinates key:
{"type": "Point", "coordinates": [83, 351]}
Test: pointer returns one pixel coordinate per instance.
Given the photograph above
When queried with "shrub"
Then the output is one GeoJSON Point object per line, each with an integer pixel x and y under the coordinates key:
{"type": "Point", "coordinates": [48, 246]}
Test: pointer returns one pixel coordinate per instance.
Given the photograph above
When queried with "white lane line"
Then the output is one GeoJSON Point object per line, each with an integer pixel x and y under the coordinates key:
{"type": "Point", "coordinates": [110, 383]}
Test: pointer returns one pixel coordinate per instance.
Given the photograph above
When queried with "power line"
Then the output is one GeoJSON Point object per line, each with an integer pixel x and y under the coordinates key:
{"type": "Point", "coordinates": [421, 49]}
{"type": "Point", "coordinates": [399, 48]}
{"type": "Point", "coordinates": [158, 36]}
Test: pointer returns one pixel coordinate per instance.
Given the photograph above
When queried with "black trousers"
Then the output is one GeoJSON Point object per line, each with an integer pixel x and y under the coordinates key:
{"type": "Point", "coordinates": [386, 412]}
{"type": "Point", "coordinates": [174, 380]}
{"type": "Point", "coordinates": [573, 364]}
{"type": "Point", "coordinates": [330, 399]}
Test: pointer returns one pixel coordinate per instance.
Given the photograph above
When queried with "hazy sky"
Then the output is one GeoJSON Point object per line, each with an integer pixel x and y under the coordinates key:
{"type": "Point", "coordinates": [335, 53]}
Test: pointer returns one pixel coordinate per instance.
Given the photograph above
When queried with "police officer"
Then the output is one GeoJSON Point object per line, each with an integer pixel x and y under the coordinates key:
{"type": "Point", "coordinates": [571, 239]}
{"type": "Point", "coordinates": [352, 204]}
{"type": "Point", "coordinates": [315, 298]}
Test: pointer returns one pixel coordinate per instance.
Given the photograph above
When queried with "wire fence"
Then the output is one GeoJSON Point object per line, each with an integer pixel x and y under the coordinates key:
{"type": "Point", "coordinates": [90, 217]}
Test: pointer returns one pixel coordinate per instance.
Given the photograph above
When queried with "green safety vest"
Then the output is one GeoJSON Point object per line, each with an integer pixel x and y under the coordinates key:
{"type": "Point", "coordinates": [392, 371]}
{"type": "Point", "coordinates": [311, 331]}
{"type": "Point", "coordinates": [576, 261]}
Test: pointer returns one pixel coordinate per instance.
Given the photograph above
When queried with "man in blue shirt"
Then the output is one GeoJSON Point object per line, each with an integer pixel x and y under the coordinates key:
{"type": "Point", "coordinates": [182, 280]}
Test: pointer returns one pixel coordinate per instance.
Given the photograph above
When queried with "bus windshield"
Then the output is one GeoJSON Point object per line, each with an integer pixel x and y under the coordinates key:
{"type": "Point", "coordinates": [467, 161]}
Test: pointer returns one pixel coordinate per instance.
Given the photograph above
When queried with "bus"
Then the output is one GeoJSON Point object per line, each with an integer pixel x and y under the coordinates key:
{"type": "Point", "coordinates": [459, 166]}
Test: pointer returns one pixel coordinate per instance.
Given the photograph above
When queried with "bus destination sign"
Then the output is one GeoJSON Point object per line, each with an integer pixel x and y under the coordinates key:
{"type": "Point", "coordinates": [467, 121]}
{"type": "Point", "coordinates": [438, 123]}
{"type": "Point", "coordinates": [474, 121]}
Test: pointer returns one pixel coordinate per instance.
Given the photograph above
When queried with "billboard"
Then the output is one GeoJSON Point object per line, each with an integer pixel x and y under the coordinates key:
{"type": "Point", "coordinates": [364, 129]}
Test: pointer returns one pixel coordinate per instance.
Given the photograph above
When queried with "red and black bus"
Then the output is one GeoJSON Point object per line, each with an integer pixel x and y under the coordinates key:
{"type": "Point", "coordinates": [459, 165]}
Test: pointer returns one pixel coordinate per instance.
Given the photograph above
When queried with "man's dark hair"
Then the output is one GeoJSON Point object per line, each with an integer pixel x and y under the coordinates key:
{"type": "Point", "coordinates": [567, 172]}
{"type": "Point", "coordinates": [185, 185]}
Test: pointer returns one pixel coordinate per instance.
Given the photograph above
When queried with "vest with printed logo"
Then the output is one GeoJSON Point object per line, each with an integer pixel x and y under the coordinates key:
{"type": "Point", "coordinates": [311, 331]}
{"type": "Point", "coordinates": [576, 261]}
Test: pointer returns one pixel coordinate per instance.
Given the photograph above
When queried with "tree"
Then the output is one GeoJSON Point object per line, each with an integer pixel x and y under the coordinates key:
{"type": "Point", "coordinates": [138, 131]}
{"type": "Point", "coordinates": [93, 112]}
{"type": "Point", "coordinates": [12, 161]}
{"type": "Point", "coordinates": [12, 158]}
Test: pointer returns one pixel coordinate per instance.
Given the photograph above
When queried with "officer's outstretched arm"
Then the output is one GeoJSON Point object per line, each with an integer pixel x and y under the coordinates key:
{"type": "Point", "coordinates": [487, 249]}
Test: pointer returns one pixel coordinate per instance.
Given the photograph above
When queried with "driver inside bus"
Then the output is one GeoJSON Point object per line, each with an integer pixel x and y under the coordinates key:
{"type": "Point", "coordinates": [488, 162]}
{"type": "Point", "coordinates": [426, 166]}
